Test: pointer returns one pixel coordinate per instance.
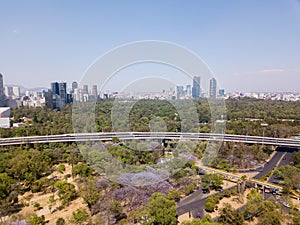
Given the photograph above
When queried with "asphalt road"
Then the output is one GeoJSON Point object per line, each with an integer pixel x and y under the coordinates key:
{"type": "Point", "coordinates": [272, 163]}
{"type": "Point", "coordinates": [286, 160]}
{"type": "Point", "coordinates": [195, 202]}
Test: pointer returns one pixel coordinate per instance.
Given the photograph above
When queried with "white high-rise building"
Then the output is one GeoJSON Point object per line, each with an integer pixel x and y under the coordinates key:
{"type": "Point", "coordinates": [16, 91]}
{"type": "Point", "coordinates": [8, 91]}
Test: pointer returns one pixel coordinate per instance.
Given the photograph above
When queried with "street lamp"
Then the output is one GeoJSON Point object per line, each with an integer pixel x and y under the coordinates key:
{"type": "Point", "coordinates": [264, 125]}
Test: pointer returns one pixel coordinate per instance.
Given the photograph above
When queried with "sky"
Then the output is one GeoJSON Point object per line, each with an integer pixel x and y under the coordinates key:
{"type": "Point", "coordinates": [248, 45]}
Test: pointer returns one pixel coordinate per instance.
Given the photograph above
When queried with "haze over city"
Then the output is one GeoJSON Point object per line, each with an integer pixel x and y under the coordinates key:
{"type": "Point", "coordinates": [248, 45]}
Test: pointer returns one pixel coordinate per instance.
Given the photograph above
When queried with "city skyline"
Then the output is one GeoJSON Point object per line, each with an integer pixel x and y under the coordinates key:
{"type": "Point", "coordinates": [249, 46]}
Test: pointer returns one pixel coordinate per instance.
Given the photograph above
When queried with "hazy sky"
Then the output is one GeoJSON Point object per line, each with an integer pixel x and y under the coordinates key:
{"type": "Point", "coordinates": [250, 45]}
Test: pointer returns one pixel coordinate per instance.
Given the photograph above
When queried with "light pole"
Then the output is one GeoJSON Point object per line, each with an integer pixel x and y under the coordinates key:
{"type": "Point", "coordinates": [263, 125]}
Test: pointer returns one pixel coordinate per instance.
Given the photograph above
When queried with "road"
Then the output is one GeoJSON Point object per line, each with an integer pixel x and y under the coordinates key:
{"type": "Point", "coordinates": [82, 137]}
{"type": "Point", "coordinates": [284, 160]}
{"type": "Point", "coordinates": [195, 202]}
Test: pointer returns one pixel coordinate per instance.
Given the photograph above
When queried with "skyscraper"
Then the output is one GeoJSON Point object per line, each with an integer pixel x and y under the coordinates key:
{"type": "Point", "coordinates": [59, 95]}
{"type": "Point", "coordinates": [188, 90]}
{"type": "Point", "coordinates": [95, 91]}
{"type": "Point", "coordinates": [179, 92]}
{"type": "Point", "coordinates": [8, 91]}
{"type": "Point", "coordinates": [85, 89]}
{"type": "Point", "coordinates": [16, 91]}
{"type": "Point", "coordinates": [62, 87]}
{"type": "Point", "coordinates": [2, 96]}
{"type": "Point", "coordinates": [74, 86]}
{"type": "Point", "coordinates": [196, 87]}
{"type": "Point", "coordinates": [212, 88]}
{"type": "Point", "coordinates": [55, 88]}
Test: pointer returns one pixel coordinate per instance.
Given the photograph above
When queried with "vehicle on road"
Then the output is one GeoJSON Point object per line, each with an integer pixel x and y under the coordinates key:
{"type": "Point", "coordinates": [205, 191]}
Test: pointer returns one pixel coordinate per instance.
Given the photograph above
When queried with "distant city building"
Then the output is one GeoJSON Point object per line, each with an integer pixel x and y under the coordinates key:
{"type": "Point", "coordinates": [196, 90]}
{"type": "Point", "coordinates": [55, 88]}
{"type": "Point", "coordinates": [57, 97]}
{"type": "Point", "coordinates": [50, 101]}
{"type": "Point", "coordinates": [221, 92]}
{"type": "Point", "coordinates": [213, 88]}
{"type": "Point", "coordinates": [77, 95]}
{"type": "Point", "coordinates": [188, 90]}
{"type": "Point", "coordinates": [62, 87]}
{"type": "Point", "coordinates": [4, 117]}
{"type": "Point", "coordinates": [95, 91]}
{"type": "Point", "coordinates": [8, 91]}
{"type": "Point", "coordinates": [16, 92]}
{"type": "Point", "coordinates": [85, 89]}
{"type": "Point", "coordinates": [74, 86]}
{"type": "Point", "coordinates": [2, 96]}
{"type": "Point", "coordinates": [179, 92]}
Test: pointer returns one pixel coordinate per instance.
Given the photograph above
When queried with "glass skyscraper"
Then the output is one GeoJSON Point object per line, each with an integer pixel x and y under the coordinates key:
{"type": "Point", "coordinates": [196, 91]}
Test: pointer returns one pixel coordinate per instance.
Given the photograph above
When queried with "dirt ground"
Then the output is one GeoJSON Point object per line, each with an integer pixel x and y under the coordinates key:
{"type": "Point", "coordinates": [42, 199]}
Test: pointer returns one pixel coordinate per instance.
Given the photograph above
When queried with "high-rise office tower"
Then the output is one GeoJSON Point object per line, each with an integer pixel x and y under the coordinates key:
{"type": "Point", "coordinates": [188, 90]}
{"type": "Point", "coordinates": [213, 88]}
{"type": "Point", "coordinates": [16, 91]}
{"type": "Point", "coordinates": [2, 96]}
{"type": "Point", "coordinates": [196, 87]}
{"type": "Point", "coordinates": [95, 91]}
{"type": "Point", "coordinates": [74, 86]}
{"type": "Point", "coordinates": [85, 89]}
{"type": "Point", "coordinates": [62, 87]}
{"type": "Point", "coordinates": [179, 92]}
{"type": "Point", "coordinates": [8, 91]}
{"type": "Point", "coordinates": [50, 101]}
{"type": "Point", "coordinates": [55, 88]}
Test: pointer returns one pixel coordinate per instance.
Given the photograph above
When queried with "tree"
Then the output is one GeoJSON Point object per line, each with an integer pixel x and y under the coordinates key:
{"type": "Point", "coordinates": [242, 184]}
{"type": "Point", "coordinates": [80, 216]}
{"type": "Point", "coordinates": [60, 221]}
{"type": "Point", "coordinates": [296, 219]}
{"type": "Point", "coordinates": [173, 194]}
{"type": "Point", "coordinates": [199, 222]}
{"type": "Point", "coordinates": [66, 191]}
{"type": "Point", "coordinates": [51, 202]}
{"type": "Point", "coordinates": [230, 216]}
{"type": "Point", "coordinates": [296, 159]}
{"type": "Point", "coordinates": [115, 208]}
{"type": "Point", "coordinates": [253, 207]}
{"type": "Point", "coordinates": [61, 168]}
{"type": "Point", "coordinates": [5, 185]}
{"type": "Point", "coordinates": [90, 193]}
{"type": "Point", "coordinates": [290, 176]}
{"type": "Point", "coordinates": [161, 210]}
{"type": "Point", "coordinates": [34, 219]}
{"type": "Point", "coordinates": [271, 218]}
{"type": "Point", "coordinates": [82, 170]}
{"type": "Point", "coordinates": [212, 181]}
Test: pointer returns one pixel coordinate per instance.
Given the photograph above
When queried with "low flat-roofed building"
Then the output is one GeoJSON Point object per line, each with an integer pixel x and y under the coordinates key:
{"type": "Point", "coordinates": [4, 117]}
{"type": "Point", "coordinates": [4, 112]}
{"type": "Point", "coordinates": [5, 122]}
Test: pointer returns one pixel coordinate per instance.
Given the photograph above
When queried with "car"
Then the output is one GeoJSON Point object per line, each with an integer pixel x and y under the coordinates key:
{"type": "Point", "coordinates": [205, 191]}
{"type": "Point", "coordinates": [220, 189]}
{"type": "Point", "coordinates": [274, 191]}
{"type": "Point", "coordinates": [286, 204]}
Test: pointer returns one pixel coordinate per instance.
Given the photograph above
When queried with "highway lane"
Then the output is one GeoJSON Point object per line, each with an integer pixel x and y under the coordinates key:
{"type": "Point", "coordinates": [81, 137]}
{"type": "Point", "coordinates": [286, 160]}
{"type": "Point", "coordinates": [271, 164]}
